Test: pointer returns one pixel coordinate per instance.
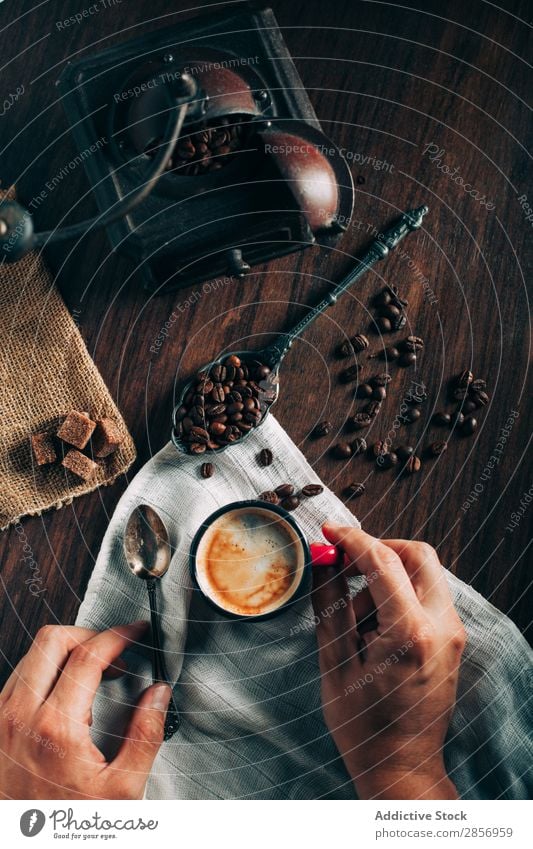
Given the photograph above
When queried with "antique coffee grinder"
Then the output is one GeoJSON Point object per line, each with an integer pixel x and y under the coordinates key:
{"type": "Point", "coordinates": [212, 157]}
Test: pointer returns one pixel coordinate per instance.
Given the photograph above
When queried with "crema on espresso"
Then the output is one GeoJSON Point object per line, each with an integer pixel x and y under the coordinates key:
{"type": "Point", "coordinates": [249, 561]}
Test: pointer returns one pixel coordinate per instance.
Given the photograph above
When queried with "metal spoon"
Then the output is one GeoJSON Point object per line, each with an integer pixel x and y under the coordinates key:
{"type": "Point", "coordinates": [273, 355]}
{"type": "Point", "coordinates": [147, 551]}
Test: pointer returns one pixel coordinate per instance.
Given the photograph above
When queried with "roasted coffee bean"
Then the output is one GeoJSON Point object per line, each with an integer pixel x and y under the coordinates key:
{"type": "Point", "coordinates": [252, 417]}
{"type": "Point", "coordinates": [207, 470]}
{"type": "Point", "coordinates": [251, 404]}
{"type": "Point", "coordinates": [342, 451]}
{"type": "Point", "coordinates": [181, 412]}
{"type": "Point", "coordinates": [382, 298]}
{"type": "Point", "coordinates": [457, 418]}
{"type": "Point", "coordinates": [377, 449]}
{"type": "Point", "coordinates": [236, 418]}
{"type": "Point", "coordinates": [262, 372]}
{"type": "Point", "coordinates": [290, 503]}
{"type": "Point", "coordinates": [406, 360]}
{"type": "Point", "coordinates": [359, 445]}
{"type": "Point", "coordinates": [469, 425]}
{"type": "Point", "coordinates": [212, 410]}
{"type": "Point", "coordinates": [480, 398]}
{"type": "Point", "coordinates": [284, 490]}
{"type": "Point", "coordinates": [399, 322]}
{"type": "Point", "coordinates": [198, 434]}
{"type": "Point", "coordinates": [206, 386]}
{"type": "Point", "coordinates": [312, 489]}
{"type": "Point", "coordinates": [217, 428]}
{"type": "Point", "coordinates": [345, 349]}
{"type": "Point", "coordinates": [478, 385]}
{"type": "Point", "coordinates": [198, 400]}
{"type": "Point", "coordinates": [412, 465]}
{"type": "Point", "coordinates": [351, 373]}
{"type": "Point", "coordinates": [371, 409]}
{"type": "Point", "coordinates": [236, 407]}
{"type": "Point", "coordinates": [233, 396]}
{"type": "Point", "coordinates": [233, 360]}
{"type": "Point", "coordinates": [222, 418]}
{"type": "Point", "coordinates": [404, 452]}
{"type": "Point", "coordinates": [354, 490]}
{"type": "Point", "coordinates": [217, 395]}
{"type": "Point", "coordinates": [383, 324]}
{"type": "Point", "coordinates": [360, 421]}
{"type": "Point", "coordinates": [412, 344]}
{"type": "Point", "coordinates": [352, 346]}
{"type": "Point", "coordinates": [216, 373]}
{"type": "Point", "coordinates": [187, 424]}
{"type": "Point", "coordinates": [442, 419]}
{"type": "Point", "coordinates": [464, 379]}
{"type": "Point", "coordinates": [245, 391]}
{"type": "Point", "coordinates": [270, 496]}
{"type": "Point", "coordinates": [231, 372]}
{"type": "Point", "coordinates": [265, 457]}
{"type": "Point", "coordinates": [321, 429]}
{"type": "Point", "coordinates": [379, 393]}
{"type": "Point", "coordinates": [410, 416]}
{"type": "Point", "coordinates": [394, 293]}
{"type": "Point", "coordinates": [364, 390]}
{"type": "Point", "coordinates": [437, 448]}
{"type": "Point", "coordinates": [381, 379]}
{"type": "Point", "coordinates": [389, 354]}
{"type": "Point", "coordinates": [390, 311]}
{"type": "Point", "coordinates": [468, 406]}
{"type": "Point", "coordinates": [244, 427]}
{"type": "Point", "coordinates": [386, 461]}
{"type": "Point", "coordinates": [197, 447]}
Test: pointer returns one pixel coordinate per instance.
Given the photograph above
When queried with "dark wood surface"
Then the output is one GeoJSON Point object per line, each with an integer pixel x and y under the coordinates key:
{"type": "Point", "coordinates": [386, 80]}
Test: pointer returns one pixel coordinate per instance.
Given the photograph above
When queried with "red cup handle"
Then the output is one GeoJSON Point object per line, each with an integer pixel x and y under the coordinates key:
{"type": "Point", "coordinates": [325, 555]}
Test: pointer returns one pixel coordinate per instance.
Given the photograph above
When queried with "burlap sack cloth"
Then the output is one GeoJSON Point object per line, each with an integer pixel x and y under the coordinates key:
{"type": "Point", "coordinates": [45, 371]}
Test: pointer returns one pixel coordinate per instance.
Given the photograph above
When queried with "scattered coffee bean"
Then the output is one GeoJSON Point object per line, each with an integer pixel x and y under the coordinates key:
{"type": "Point", "coordinates": [464, 379]}
{"type": "Point", "coordinates": [284, 490]}
{"type": "Point", "coordinates": [355, 490]}
{"type": "Point", "coordinates": [457, 418]}
{"type": "Point", "coordinates": [404, 452]}
{"type": "Point", "coordinates": [383, 325]}
{"type": "Point", "coordinates": [437, 448]}
{"type": "Point", "coordinates": [412, 465]}
{"type": "Point", "coordinates": [361, 420]}
{"type": "Point", "coordinates": [321, 429]}
{"type": "Point", "coordinates": [480, 398]}
{"type": "Point", "coordinates": [382, 298]}
{"type": "Point", "coordinates": [442, 419]}
{"type": "Point", "coordinates": [381, 379]}
{"type": "Point", "coordinates": [377, 449]}
{"type": "Point", "coordinates": [379, 393]}
{"type": "Point", "coordinates": [394, 293]}
{"type": "Point", "coordinates": [351, 373]}
{"type": "Point", "coordinates": [412, 344]}
{"type": "Point", "coordinates": [312, 489]}
{"type": "Point", "coordinates": [342, 451]}
{"type": "Point", "coordinates": [390, 311]}
{"type": "Point", "coordinates": [207, 470]}
{"type": "Point", "coordinates": [407, 359]}
{"type": "Point", "coordinates": [197, 447]}
{"type": "Point", "coordinates": [359, 445]}
{"type": "Point", "coordinates": [387, 461]}
{"type": "Point", "coordinates": [290, 503]}
{"type": "Point", "coordinates": [469, 406]}
{"type": "Point", "coordinates": [352, 346]}
{"type": "Point", "coordinates": [478, 385]}
{"type": "Point", "coordinates": [411, 415]}
{"type": "Point", "coordinates": [371, 410]}
{"type": "Point", "coordinates": [265, 457]}
{"type": "Point", "coordinates": [364, 390]}
{"type": "Point", "coordinates": [270, 496]}
{"type": "Point", "coordinates": [389, 354]}
{"type": "Point", "coordinates": [468, 426]}
{"type": "Point", "coordinates": [399, 322]}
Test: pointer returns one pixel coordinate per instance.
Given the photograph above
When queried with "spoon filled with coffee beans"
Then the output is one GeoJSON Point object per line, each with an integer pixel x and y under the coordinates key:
{"type": "Point", "coordinates": [229, 397]}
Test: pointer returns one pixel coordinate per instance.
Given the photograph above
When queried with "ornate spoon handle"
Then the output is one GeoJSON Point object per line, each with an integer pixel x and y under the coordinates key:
{"type": "Point", "coordinates": [378, 249]}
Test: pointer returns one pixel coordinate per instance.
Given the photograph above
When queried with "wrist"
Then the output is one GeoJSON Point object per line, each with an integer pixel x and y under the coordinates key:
{"type": "Point", "coordinates": [405, 784]}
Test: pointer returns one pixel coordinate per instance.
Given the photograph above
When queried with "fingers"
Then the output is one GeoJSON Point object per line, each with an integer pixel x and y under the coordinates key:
{"type": "Point", "coordinates": [334, 614]}
{"type": "Point", "coordinates": [76, 687]}
{"type": "Point", "coordinates": [35, 676]}
{"type": "Point", "coordinates": [143, 738]}
{"type": "Point", "coordinates": [388, 582]}
{"type": "Point", "coordinates": [424, 569]}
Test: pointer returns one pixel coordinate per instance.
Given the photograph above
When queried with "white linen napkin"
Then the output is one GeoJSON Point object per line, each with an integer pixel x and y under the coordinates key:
{"type": "Point", "coordinates": [252, 725]}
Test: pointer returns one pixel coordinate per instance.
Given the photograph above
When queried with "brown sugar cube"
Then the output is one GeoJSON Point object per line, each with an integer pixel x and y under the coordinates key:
{"type": "Point", "coordinates": [78, 463]}
{"type": "Point", "coordinates": [76, 429]}
{"type": "Point", "coordinates": [107, 437]}
{"type": "Point", "coordinates": [42, 445]}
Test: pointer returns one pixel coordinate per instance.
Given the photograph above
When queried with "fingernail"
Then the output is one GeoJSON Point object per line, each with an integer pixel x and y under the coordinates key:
{"type": "Point", "coordinates": [160, 696]}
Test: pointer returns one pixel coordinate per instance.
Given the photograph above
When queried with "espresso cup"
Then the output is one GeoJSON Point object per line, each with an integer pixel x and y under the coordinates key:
{"type": "Point", "coordinates": [251, 560]}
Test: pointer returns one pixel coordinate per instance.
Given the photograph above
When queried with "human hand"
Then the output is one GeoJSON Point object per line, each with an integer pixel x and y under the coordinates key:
{"type": "Point", "coordinates": [389, 662]}
{"type": "Point", "coordinates": [46, 712]}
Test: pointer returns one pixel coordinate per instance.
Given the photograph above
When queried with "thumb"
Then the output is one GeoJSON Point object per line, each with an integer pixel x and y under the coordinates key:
{"type": "Point", "coordinates": [143, 737]}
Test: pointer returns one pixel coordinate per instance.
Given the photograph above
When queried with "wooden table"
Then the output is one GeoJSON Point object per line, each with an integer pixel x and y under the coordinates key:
{"type": "Point", "coordinates": [417, 98]}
